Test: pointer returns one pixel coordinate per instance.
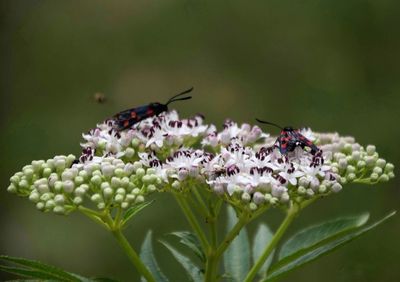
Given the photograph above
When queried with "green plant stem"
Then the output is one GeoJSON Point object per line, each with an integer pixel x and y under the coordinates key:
{"type": "Point", "coordinates": [291, 214]}
{"type": "Point", "coordinates": [133, 256]}
{"type": "Point", "coordinates": [192, 221]}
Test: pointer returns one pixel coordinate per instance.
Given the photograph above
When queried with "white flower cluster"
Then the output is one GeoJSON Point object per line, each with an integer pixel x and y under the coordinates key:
{"type": "Point", "coordinates": [61, 186]}
{"type": "Point", "coordinates": [241, 164]}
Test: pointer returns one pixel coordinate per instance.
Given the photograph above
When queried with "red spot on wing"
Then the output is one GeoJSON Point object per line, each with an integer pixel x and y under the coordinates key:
{"type": "Point", "coordinates": [149, 112]}
{"type": "Point", "coordinates": [133, 114]}
{"type": "Point", "coordinates": [126, 123]}
{"type": "Point", "coordinates": [283, 145]}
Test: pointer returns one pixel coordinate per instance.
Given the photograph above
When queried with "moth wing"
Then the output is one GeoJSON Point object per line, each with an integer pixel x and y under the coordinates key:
{"type": "Point", "coordinates": [305, 142]}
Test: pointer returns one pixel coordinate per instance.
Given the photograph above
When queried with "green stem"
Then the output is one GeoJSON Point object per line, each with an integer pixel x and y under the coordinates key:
{"type": "Point", "coordinates": [133, 256]}
{"type": "Point", "coordinates": [243, 220]}
{"type": "Point", "coordinates": [292, 212]}
{"type": "Point", "coordinates": [192, 221]}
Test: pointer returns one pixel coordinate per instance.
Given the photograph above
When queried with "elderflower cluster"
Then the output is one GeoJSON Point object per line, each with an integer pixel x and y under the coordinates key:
{"type": "Point", "coordinates": [241, 164]}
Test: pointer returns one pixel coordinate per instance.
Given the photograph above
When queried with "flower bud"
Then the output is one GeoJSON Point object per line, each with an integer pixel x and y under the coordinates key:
{"type": "Point", "coordinates": [129, 152]}
{"type": "Point", "coordinates": [389, 167]}
{"type": "Point", "coordinates": [139, 199]}
{"type": "Point", "coordinates": [101, 206]}
{"type": "Point", "coordinates": [336, 187]}
{"type": "Point", "coordinates": [59, 210]}
{"type": "Point", "coordinates": [124, 205]}
{"type": "Point", "coordinates": [135, 142]}
{"type": "Point", "coordinates": [96, 180]}
{"type": "Point", "coordinates": [377, 170]}
{"type": "Point", "coordinates": [79, 180]}
{"type": "Point", "coordinates": [383, 178]}
{"type": "Point", "coordinates": [60, 164]}
{"type": "Point", "coordinates": [58, 186]}
{"type": "Point", "coordinates": [23, 184]}
{"type": "Point", "coordinates": [361, 164]}
{"type": "Point", "coordinates": [151, 188]}
{"type": "Point", "coordinates": [136, 191]}
{"type": "Point", "coordinates": [374, 176]}
{"type": "Point", "coordinates": [140, 172]}
{"type": "Point", "coordinates": [351, 176]}
{"type": "Point", "coordinates": [310, 192]}
{"type": "Point", "coordinates": [12, 188]}
{"type": "Point", "coordinates": [285, 197]}
{"type": "Point", "coordinates": [356, 155]}
{"type": "Point", "coordinates": [176, 185]}
{"type": "Point", "coordinates": [107, 170]}
{"type": "Point", "coordinates": [322, 189]}
{"type": "Point", "coordinates": [246, 197]}
{"type": "Point", "coordinates": [370, 149]}
{"type": "Point", "coordinates": [119, 172]}
{"type": "Point", "coordinates": [78, 200]}
{"type": "Point", "coordinates": [68, 186]}
{"type": "Point", "coordinates": [96, 198]}
{"type": "Point", "coordinates": [108, 193]}
{"type": "Point", "coordinates": [258, 198]}
{"type": "Point", "coordinates": [146, 179]}
{"type": "Point", "coordinates": [34, 196]}
{"type": "Point", "coordinates": [59, 199]}
{"type": "Point", "coordinates": [40, 206]}
{"type": "Point", "coordinates": [380, 163]}
{"type": "Point", "coordinates": [50, 204]}
{"type": "Point", "coordinates": [301, 190]}
{"type": "Point", "coordinates": [253, 206]}
{"type": "Point", "coordinates": [115, 182]}
{"type": "Point", "coordinates": [369, 160]}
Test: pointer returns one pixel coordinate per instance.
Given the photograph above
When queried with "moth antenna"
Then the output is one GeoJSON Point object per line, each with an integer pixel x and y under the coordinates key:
{"type": "Point", "coordinates": [270, 123]}
{"type": "Point", "coordinates": [174, 98]}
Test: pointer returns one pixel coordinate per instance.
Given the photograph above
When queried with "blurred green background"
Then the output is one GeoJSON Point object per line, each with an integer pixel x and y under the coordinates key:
{"type": "Point", "coordinates": [330, 65]}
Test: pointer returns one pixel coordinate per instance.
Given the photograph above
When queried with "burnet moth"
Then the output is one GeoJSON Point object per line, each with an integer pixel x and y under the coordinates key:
{"type": "Point", "coordinates": [127, 118]}
{"type": "Point", "coordinates": [291, 138]}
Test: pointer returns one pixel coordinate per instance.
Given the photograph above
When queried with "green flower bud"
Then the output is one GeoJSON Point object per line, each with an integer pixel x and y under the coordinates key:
{"type": "Point", "coordinates": [50, 204]}
{"type": "Point", "coordinates": [119, 198]}
{"type": "Point", "coordinates": [310, 192]}
{"type": "Point", "coordinates": [322, 189]}
{"type": "Point", "coordinates": [28, 172]}
{"type": "Point", "coordinates": [348, 148]}
{"type": "Point", "coordinates": [150, 171]}
{"type": "Point", "coordinates": [350, 169]}
{"type": "Point", "coordinates": [59, 210]}
{"type": "Point", "coordinates": [78, 200]}
{"type": "Point", "coordinates": [15, 180]}
{"type": "Point", "coordinates": [70, 159]}
{"type": "Point", "coordinates": [108, 193]}
{"type": "Point", "coordinates": [246, 197]}
{"type": "Point", "coordinates": [60, 164]}
{"type": "Point", "coordinates": [390, 174]}
{"type": "Point", "coordinates": [130, 198]}
{"type": "Point", "coordinates": [47, 171]}
{"type": "Point", "coordinates": [121, 191]}
{"type": "Point", "coordinates": [268, 197]}
{"type": "Point", "coordinates": [129, 153]}
{"type": "Point", "coordinates": [273, 201]}
{"type": "Point", "coordinates": [12, 188]}
{"type": "Point", "coordinates": [79, 180]}
{"type": "Point", "coordinates": [389, 167]}
{"type": "Point", "coordinates": [101, 206]}
{"type": "Point", "coordinates": [381, 163]}
{"type": "Point", "coordinates": [58, 186]}
{"type": "Point", "coordinates": [23, 184]}
{"type": "Point", "coordinates": [80, 191]}
{"type": "Point", "coordinates": [377, 170]}
{"type": "Point", "coordinates": [374, 176]}
{"type": "Point", "coordinates": [43, 188]}
{"type": "Point", "coordinates": [45, 197]}
{"type": "Point", "coordinates": [285, 197]}
{"type": "Point", "coordinates": [135, 142]}
{"type": "Point", "coordinates": [356, 155]}
{"type": "Point", "coordinates": [34, 196]}
{"type": "Point", "coordinates": [115, 182]}
{"type": "Point", "coordinates": [140, 172]}
{"type": "Point", "coordinates": [137, 165]}
{"type": "Point", "coordinates": [124, 205]}
{"type": "Point", "coordinates": [369, 160]}
{"type": "Point", "coordinates": [361, 164]}
{"type": "Point", "coordinates": [176, 184]}
{"type": "Point", "coordinates": [151, 188]}
{"type": "Point", "coordinates": [83, 174]}
{"type": "Point", "coordinates": [351, 176]}
{"type": "Point", "coordinates": [370, 149]}
{"type": "Point", "coordinates": [125, 182]}
{"type": "Point", "coordinates": [136, 191]}
{"type": "Point", "coordinates": [146, 179]}
{"type": "Point", "coordinates": [253, 206]}
{"type": "Point", "coordinates": [383, 178]}
{"type": "Point", "coordinates": [139, 199]}
{"type": "Point", "coordinates": [97, 172]}
{"type": "Point", "coordinates": [59, 199]}
{"type": "Point", "coordinates": [301, 190]}
{"type": "Point", "coordinates": [119, 172]}
{"type": "Point", "coordinates": [336, 187]}
{"type": "Point", "coordinates": [68, 186]}
{"type": "Point", "coordinates": [40, 206]}
{"type": "Point", "coordinates": [96, 198]}
{"type": "Point", "coordinates": [96, 180]}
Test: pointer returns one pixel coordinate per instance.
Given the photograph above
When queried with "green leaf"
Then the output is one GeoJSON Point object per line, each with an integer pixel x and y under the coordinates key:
{"type": "Point", "coordinates": [313, 235]}
{"type": "Point", "coordinates": [307, 255]}
{"type": "Point", "coordinates": [191, 241]}
{"type": "Point", "coordinates": [237, 256]}
{"type": "Point", "coordinates": [262, 238]}
{"type": "Point", "coordinates": [35, 269]}
{"type": "Point", "coordinates": [147, 256]}
{"type": "Point", "coordinates": [133, 211]}
{"type": "Point", "coordinates": [192, 270]}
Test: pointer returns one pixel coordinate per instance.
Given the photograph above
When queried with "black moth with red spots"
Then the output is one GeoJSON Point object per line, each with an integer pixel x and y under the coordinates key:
{"type": "Point", "coordinates": [290, 138]}
{"type": "Point", "coordinates": [127, 118]}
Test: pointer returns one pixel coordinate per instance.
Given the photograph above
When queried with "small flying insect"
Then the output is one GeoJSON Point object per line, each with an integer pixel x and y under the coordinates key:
{"type": "Point", "coordinates": [127, 118]}
{"type": "Point", "coordinates": [291, 138]}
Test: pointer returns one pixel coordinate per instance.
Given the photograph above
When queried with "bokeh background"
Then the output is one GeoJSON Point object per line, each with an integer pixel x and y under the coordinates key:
{"type": "Point", "coordinates": [330, 65]}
